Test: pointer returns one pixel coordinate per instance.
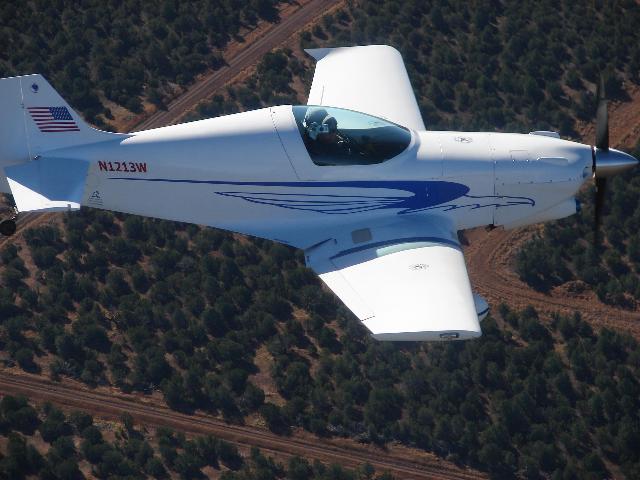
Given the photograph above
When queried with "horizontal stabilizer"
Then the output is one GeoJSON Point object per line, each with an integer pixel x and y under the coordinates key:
{"type": "Point", "coordinates": [48, 184]}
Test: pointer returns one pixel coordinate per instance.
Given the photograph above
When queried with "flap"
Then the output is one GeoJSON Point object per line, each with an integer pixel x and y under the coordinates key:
{"type": "Point", "coordinates": [411, 288]}
{"type": "Point", "coordinates": [48, 184]}
{"type": "Point", "coordinates": [370, 79]}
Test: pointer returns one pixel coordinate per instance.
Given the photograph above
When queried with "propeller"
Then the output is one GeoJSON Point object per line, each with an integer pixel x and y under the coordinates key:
{"type": "Point", "coordinates": [602, 118]}
{"type": "Point", "coordinates": [606, 161]}
{"type": "Point", "coordinates": [602, 145]}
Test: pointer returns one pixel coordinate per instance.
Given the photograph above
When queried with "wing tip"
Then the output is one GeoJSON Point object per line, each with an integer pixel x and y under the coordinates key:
{"type": "Point", "coordinates": [319, 53]}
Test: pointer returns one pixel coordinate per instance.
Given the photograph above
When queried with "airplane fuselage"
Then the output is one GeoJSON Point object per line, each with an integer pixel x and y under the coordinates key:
{"type": "Point", "coordinates": [353, 178]}
{"type": "Point", "coordinates": [251, 173]}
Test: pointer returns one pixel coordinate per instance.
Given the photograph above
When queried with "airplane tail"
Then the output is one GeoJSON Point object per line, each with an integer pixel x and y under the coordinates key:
{"type": "Point", "coordinates": [35, 125]}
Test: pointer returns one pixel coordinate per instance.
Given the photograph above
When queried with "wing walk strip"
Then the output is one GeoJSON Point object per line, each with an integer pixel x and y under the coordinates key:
{"type": "Point", "coordinates": [416, 240]}
{"type": "Point", "coordinates": [107, 405]}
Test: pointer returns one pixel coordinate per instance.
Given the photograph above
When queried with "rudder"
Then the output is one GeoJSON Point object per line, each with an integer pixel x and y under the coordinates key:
{"type": "Point", "coordinates": [35, 120]}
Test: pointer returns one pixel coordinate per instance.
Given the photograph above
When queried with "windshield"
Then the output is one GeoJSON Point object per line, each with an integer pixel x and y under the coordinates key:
{"type": "Point", "coordinates": [334, 136]}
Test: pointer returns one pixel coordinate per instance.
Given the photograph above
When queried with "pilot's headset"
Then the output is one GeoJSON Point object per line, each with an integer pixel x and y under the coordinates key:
{"type": "Point", "coordinates": [319, 122]}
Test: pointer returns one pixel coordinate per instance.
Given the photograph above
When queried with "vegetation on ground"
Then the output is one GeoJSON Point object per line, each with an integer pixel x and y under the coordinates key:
{"type": "Point", "coordinates": [46, 443]}
{"type": "Point", "coordinates": [238, 327]}
{"type": "Point", "coordinates": [121, 51]}
{"type": "Point", "coordinates": [501, 65]}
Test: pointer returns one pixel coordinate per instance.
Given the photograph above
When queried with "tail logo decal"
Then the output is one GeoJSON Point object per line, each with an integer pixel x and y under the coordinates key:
{"type": "Point", "coordinates": [53, 119]}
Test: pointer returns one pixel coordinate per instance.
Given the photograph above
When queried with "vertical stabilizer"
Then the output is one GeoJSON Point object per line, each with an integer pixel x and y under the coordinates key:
{"type": "Point", "coordinates": [34, 120]}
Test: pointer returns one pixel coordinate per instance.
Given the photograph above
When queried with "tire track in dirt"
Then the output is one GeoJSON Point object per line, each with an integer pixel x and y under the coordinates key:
{"type": "Point", "coordinates": [347, 453]}
{"type": "Point", "coordinates": [490, 258]}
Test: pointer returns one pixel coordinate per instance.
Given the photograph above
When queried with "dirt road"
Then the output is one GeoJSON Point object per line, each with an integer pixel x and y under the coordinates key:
{"type": "Point", "coordinates": [274, 37]}
{"type": "Point", "coordinates": [490, 258]}
{"type": "Point", "coordinates": [403, 463]}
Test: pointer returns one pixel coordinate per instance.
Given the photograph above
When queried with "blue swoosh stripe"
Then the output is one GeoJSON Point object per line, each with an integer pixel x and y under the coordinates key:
{"type": "Point", "coordinates": [421, 194]}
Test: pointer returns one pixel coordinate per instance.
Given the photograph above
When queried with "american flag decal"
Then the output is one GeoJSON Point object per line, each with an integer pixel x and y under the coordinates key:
{"type": "Point", "coordinates": [53, 119]}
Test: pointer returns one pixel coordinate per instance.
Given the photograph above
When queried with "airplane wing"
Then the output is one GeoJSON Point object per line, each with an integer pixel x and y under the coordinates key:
{"type": "Point", "coordinates": [370, 79]}
{"type": "Point", "coordinates": [414, 287]}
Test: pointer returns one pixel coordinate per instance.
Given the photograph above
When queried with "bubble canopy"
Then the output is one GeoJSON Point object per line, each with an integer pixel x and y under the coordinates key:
{"type": "Point", "coordinates": [335, 136]}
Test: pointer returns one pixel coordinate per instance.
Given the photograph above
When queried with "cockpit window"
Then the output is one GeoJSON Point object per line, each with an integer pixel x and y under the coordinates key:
{"type": "Point", "coordinates": [334, 136]}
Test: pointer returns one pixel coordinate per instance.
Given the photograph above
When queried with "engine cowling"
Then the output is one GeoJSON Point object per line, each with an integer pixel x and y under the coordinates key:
{"type": "Point", "coordinates": [563, 209]}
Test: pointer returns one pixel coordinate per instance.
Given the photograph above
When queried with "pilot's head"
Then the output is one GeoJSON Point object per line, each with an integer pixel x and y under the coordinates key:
{"type": "Point", "coordinates": [320, 125]}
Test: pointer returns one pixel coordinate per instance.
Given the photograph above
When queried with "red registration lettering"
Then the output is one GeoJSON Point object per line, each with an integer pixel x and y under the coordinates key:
{"type": "Point", "coordinates": [129, 167]}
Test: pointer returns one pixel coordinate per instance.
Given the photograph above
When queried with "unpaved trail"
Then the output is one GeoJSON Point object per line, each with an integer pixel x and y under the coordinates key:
{"type": "Point", "coordinates": [274, 36]}
{"type": "Point", "coordinates": [490, 257]}
{"type": "Point", "coordinates": [403, 463]}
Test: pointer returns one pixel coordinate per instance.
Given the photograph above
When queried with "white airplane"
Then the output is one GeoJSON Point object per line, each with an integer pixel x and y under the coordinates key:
{"type": "Point", "coordinates": [353, 178]}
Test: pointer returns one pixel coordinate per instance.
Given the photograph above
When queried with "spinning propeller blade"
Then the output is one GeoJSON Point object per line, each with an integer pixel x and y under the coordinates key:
{"type": "Point", "coordinates": [606, 161]}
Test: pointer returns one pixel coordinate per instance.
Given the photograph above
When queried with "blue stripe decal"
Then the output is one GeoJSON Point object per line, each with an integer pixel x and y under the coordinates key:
{"type": "Point", "coordinates": [410, 196]}
{"type": "Point", "coordinates": [397, 241]}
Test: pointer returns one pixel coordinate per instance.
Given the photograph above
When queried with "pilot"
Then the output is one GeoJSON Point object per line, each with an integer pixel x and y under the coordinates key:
{"type": "Point", "coordinates": [322, 130]}
{"type": "Point", "coordinates": [320, 125]}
